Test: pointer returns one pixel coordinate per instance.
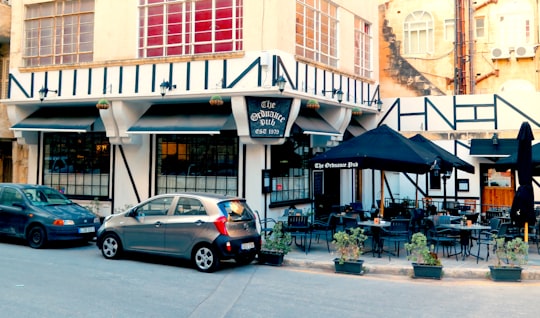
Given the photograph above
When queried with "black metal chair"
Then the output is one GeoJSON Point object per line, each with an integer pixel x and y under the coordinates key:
{"type": "Point", "coordinates": [486, 237]}
{"type": "Point", "coordinates": [441, 237]}
{"type": "Point", "coordinates": [397, 233]}
{"type": "Point", "coordinates": [266, 225]}
{"type": "Point", "coordinates": [299, 227]}
{"type": "Point", "coordinates": [324, 227]}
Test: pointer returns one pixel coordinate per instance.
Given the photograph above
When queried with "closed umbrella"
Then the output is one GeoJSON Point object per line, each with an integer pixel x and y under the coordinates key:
{"type": "Point", "coordinates": [522, 210]}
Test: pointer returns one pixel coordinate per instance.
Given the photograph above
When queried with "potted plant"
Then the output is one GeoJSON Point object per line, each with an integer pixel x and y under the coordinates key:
{"type": "Point", "coordinates": [216, 100]}
{"type": "Point", "coordinates": [275, 246]}
{"type": "Point", "coordinates": [103, 104]}
{"type": "Point", "coordinates": [511, 255]}
{"type": "Point", "coordinates": [312, 104]}
{"type": "Point", "coordinates": [356, 111]}
{"type": "Point", "coordinates": [349, 245]}
{"type": "Point", "coordinates": [425, 264]}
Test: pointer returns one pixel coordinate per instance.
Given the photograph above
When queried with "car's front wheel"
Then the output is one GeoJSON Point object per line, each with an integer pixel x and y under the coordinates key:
{"type": "Point", "coordinates": [36, 237]}
{"type": "Point", "coordinates": [205, 259]}
{"type": "Point", "coordinates": [111, 247]}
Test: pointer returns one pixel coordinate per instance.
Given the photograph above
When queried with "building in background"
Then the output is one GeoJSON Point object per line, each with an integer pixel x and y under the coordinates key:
{"type": "Point", "coordinates": [464, 74]}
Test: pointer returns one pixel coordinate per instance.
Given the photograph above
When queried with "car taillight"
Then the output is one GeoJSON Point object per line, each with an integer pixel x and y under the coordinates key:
{"type": "Point", "coordinates": [220, 224]}
{"type": "Point", "coordinates": [228, 246]}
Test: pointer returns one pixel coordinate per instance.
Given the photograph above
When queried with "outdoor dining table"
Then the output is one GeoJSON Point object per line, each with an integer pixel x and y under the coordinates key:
{"type": "Point", "coordinates": [465, 232]}
{"type": "Point", "coordinates": [376, 246]}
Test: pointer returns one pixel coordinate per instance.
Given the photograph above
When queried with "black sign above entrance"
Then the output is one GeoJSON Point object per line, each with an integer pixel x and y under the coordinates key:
{"type": "Point", "coordinates": [268, 116]}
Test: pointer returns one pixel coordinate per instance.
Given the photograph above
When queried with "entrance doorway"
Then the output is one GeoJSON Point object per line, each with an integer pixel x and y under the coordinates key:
{"type": "Point", "coordinates": [6, 161]}
{"type": "Point", "coordinates": [328, 195]}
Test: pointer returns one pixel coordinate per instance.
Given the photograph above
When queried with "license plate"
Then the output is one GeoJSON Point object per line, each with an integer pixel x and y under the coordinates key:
{"type": "Point", "coordinates": [89, 229]}
{"type": "Point", "coordinates": [248, 246]}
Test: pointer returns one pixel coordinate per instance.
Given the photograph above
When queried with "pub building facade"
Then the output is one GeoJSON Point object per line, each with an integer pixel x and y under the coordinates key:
{"type": "Point", "coordinates": [154, 129]}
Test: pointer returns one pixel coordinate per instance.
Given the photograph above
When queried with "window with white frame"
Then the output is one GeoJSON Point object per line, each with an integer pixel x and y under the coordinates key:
{"type": "Point", "coordinates": [449, 30]}
{"type": "Point", "coordinates": [187, 27]}
{"type": "Point", "coordinates": [480, 27]}
{"type": "Point", "coordinates": [418, 33]}
{"type": "Point", "coordinates": [59, 32]}
{"type": "Point", "coordinates": [317, 30]}
{"type": "Point", "coordinates": [362, 47]}
{"type": "Point", "coordinates": [515, 23]}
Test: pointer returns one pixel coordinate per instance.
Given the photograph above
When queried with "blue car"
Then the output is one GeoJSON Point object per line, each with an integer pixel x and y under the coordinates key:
{"type": "Point", "coordinates": [40, 214]}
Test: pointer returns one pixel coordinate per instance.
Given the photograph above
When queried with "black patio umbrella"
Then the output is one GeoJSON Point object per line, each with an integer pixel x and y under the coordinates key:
{"type": "Point", "coordinates": [382, 149]}
{"type": "Point", "coordinates": [522, 210]}
{"type": "Point", "coordinates": [448, 160]}
{"type": "Point", "coordinates": [511, 161]}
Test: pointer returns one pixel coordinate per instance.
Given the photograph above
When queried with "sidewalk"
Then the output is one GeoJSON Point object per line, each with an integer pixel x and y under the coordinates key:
{"type": "Point", "coordinates": [319, 258]}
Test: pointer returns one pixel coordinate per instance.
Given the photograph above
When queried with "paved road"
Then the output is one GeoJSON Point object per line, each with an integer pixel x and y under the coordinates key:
{"type": "Point", "coordinates": [75, 281]}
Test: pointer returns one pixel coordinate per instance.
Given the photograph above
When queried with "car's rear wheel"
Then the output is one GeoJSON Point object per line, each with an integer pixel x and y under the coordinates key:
{"type": "Point", "coordinates": [111, 247]}
{"type": "Point", "coordinates": [36, 237]}
{"type": "Point", "coordinates": [205, 259]}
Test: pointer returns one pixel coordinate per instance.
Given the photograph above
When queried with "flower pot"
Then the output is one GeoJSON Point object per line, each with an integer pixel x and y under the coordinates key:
{"type": "Point", "coordinates": [427, 271]}
{"type": "Point", "coordinates": [349, 267]}
{"type": "Point", "coordinates": [505, 273]}
{"type": "Point", "coordinates": [216, 102]}
{"type": "Point", "coordinates": [271, 258]}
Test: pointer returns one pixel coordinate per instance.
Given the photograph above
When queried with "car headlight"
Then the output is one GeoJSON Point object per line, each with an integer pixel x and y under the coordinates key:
{"type": "Point", "coordinates": [63, 222]}
{"type": "Point", "coordinates": [96, 220]}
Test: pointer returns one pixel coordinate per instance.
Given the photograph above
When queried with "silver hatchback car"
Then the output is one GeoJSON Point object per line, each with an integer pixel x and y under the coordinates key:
{"type": "Point", "coordinates": [205, 228]}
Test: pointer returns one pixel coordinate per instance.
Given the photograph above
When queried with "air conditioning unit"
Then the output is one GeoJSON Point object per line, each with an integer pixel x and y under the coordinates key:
{"type": "Point", "coordinates": [498, 53]}
{"type": "Point", "coordinates": [525, 51]}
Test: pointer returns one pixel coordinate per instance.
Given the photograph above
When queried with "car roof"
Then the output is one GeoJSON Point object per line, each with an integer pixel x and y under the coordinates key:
{"type": "Point", "coordinates": [204, 195]}
{"type": "Point", "coordinates": [23, 185]}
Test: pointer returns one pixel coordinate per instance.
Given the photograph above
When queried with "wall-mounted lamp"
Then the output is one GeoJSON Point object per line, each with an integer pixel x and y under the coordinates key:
{"type": "Point", "coordinates": [435, 168]}
{"type": "Point", "coordinates": [165, 86]}
{"type": "Point", "coordinates": [335, 92]}
{"type": "Point", "coordinates": [446, 174]}
{"type": "Point", "coordinates": [43, 92]}
{"type": "Point", "coordinates": [376, 101]}
{"type": "Point", "coordinates": [495, 139]}
{"type": "Point", "coordinates": [281, 83]}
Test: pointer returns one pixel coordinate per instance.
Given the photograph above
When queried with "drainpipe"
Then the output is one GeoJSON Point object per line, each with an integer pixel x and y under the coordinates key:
{"type": "Point", "coordinates": [485, 76]}
{"type": "Point", "coordinates": [480, 6]}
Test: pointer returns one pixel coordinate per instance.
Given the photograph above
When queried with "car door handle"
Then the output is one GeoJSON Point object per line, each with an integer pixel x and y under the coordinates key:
{"type": "Point", "coordinates": [199, 222]}
{"type": "Point", "coordinates": [158, 224]}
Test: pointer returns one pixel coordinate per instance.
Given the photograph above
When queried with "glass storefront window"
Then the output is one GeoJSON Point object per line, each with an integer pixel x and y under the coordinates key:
{"type": "Point", "coordinates": [78, 165]}
{"type": "Point", "coordinates": [290, 170]}
{"type": "Point", "coordinates": [197, 163]}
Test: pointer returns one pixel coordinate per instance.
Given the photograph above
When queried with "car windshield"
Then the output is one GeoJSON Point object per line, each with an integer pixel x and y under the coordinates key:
{"type": "Point", "coordinates": [236, 210]}
{"type": "Point", "coordinates": [45, 196]}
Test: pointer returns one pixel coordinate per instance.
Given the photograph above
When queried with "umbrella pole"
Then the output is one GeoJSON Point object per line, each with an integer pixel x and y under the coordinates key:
{"type": "Point", "coordinates": [526, 236]}
{"type": "Point", "coordinates": [416, 198]}
{"type": "Point", "coordinates": [381, 207]}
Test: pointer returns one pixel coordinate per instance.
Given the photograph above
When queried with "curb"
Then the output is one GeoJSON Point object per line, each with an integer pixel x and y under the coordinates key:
{"type": "Point", "coordinates": [399, 270]}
